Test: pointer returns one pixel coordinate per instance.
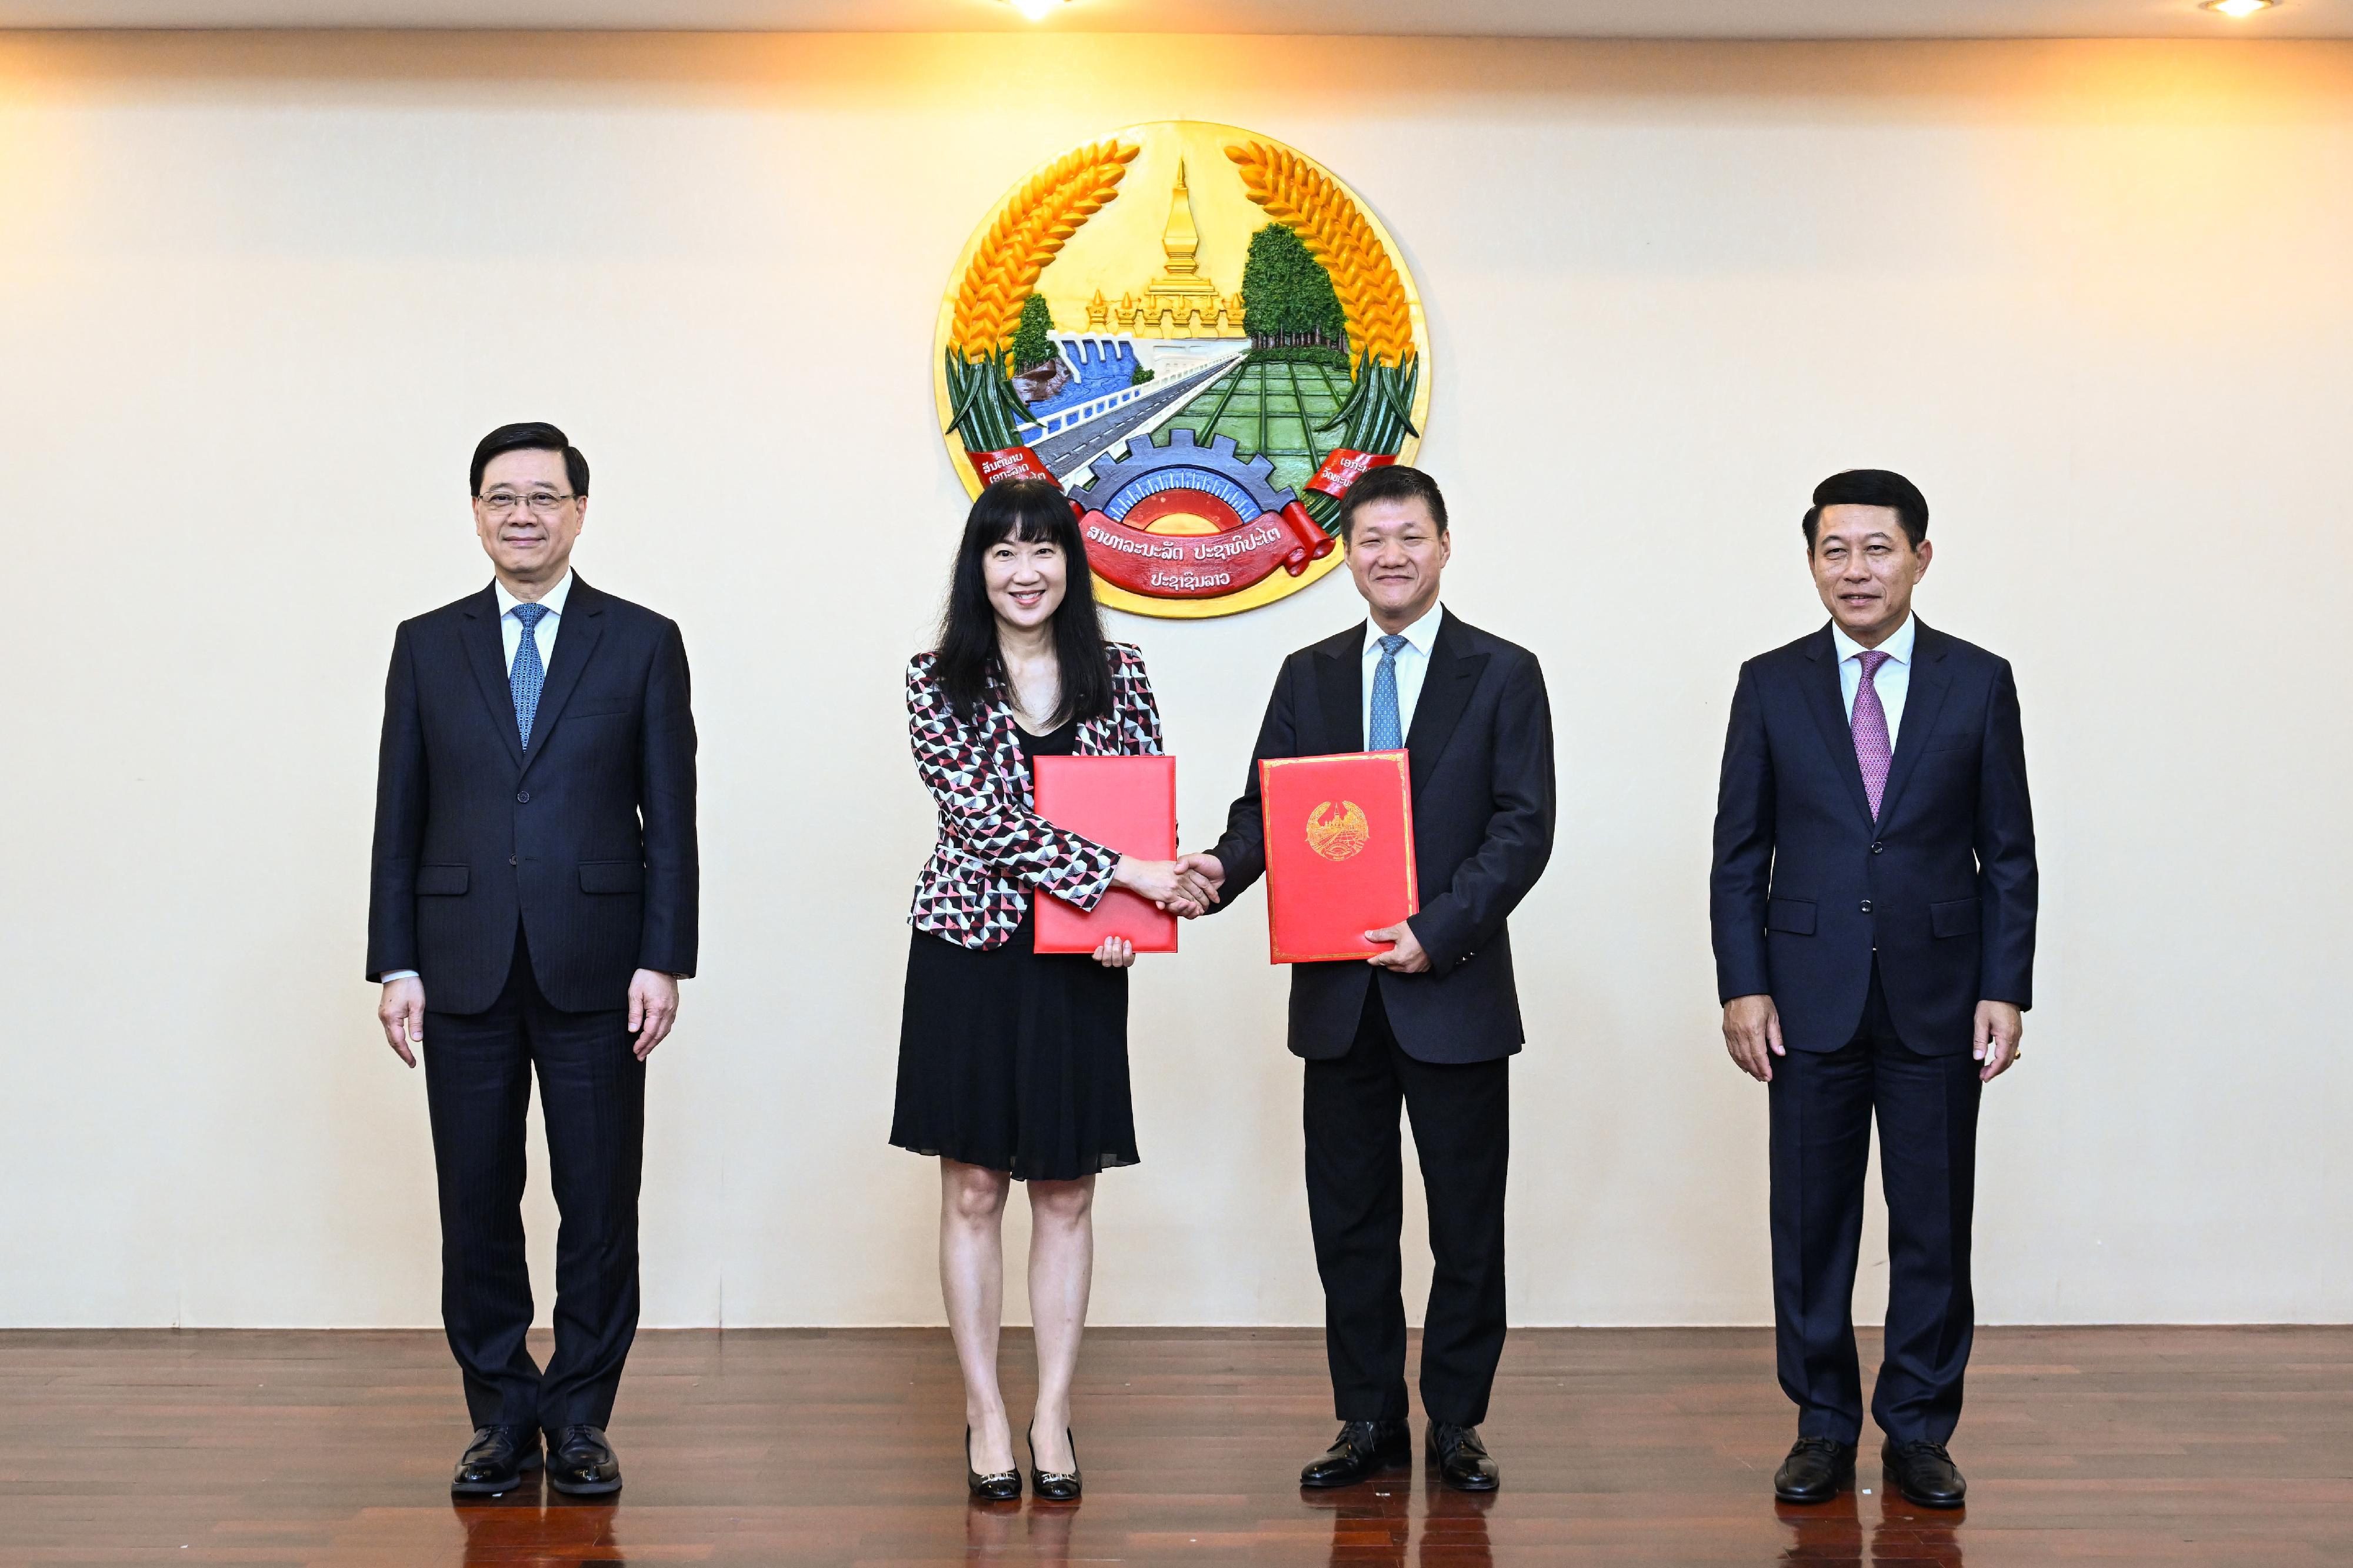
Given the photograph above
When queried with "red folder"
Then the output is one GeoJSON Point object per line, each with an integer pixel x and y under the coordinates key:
{"type": "Point", "coordinates": [1127, 804]}
{"type": "Point", "coordinates": [1339, 852]}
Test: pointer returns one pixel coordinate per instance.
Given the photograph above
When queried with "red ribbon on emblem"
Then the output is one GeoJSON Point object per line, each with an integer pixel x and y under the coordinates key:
{"type": "Point", "coordinates": [1190, 566]}
{"type": "Point", "coordinates": [1344, 467]}
{"type": "Point", "coordinates": [1010, 463]}
{"type": "Point", "coordinates": [1310, 542]}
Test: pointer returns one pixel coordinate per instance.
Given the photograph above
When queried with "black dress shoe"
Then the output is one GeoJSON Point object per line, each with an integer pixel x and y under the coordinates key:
{"type": "Point", "coordinates": [1817, 1471]}
{"type": "Point", "coordinates": [1053, 1485]}
{"type": "Point", "coordinates": [496, 1461]}
{"type": "Point", "coordinates": [1361, 1448]}
{"type": "Point", "coordinates": [1461, 1459]}
{"type": "Point", "coordinates": [1003, 1485]}
{"type": "Point", "coordinates": [1923, 1472]}
{"type": "Point", "coordinates": [580, 1462]}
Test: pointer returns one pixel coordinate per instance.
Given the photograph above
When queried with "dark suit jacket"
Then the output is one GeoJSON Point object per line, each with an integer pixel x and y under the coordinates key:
{"type": "Point", "coordinates": [1483, 820]}
{"type": "Point", "coordinates": [1806, 885]}
{"type": "Point", "coordinates": [588, 841]}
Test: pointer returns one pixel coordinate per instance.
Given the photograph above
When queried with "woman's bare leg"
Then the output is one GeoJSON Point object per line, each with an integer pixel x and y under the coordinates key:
{"type": "Point", "coordinates": [1061, 1272]}
{"type": "Point", "coordinates": [972, 1282]}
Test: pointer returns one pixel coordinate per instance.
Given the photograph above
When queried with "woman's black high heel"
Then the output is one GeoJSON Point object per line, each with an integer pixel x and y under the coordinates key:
{"type": "Point", "coordinates": [1053, 1488]}
{"type": "Point", "coordinates": [1005, 1486]}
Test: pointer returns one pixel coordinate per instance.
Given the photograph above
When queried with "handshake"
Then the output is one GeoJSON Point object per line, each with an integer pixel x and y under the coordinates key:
{"type": "Point", "coordinates": [1186, 886]}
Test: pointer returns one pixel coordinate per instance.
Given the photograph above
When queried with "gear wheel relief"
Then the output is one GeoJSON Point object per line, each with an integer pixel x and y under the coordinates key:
{"type": "Point", "coordinates": [1187, 520]}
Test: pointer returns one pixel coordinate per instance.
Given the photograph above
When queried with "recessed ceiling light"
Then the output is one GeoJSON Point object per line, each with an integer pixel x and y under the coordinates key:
{"type": "Point", "coordinates": [2237, 7]}
{"type": "Point", "coordinates": [1038, 10]}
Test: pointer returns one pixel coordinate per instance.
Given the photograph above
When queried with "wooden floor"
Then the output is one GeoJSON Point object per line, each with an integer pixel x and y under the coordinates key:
{"type": "Point", "coordinates": [2134, 1445]}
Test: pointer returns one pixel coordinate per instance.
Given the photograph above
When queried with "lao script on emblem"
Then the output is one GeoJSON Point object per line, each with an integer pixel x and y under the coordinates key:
{"type": "Point", "coordinates": [1204, 337]}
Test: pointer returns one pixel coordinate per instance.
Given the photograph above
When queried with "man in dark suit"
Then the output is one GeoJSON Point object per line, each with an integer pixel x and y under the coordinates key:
{"type": "Point", "coordinates": [1431, 1023]}
{"type": "Point", "coordinates": [532, 908]}
{"type": "Point", "coordinates": [1872, 904]}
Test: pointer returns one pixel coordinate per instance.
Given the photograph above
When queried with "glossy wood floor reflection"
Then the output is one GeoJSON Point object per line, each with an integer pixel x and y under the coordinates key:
{"type": "Point", "coordinates": [2228, 1447]}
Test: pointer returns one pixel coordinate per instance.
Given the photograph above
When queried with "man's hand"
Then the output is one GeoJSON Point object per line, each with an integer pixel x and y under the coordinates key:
{"type": "Point", "coordinates": [401, 1011]}
{"type": "Point", "coordinates": [1752, 1033]}
{"type": "Point", "coordinates": [1203, 877]}
{"type": "Point", "coordinates": [653, 1008]}
{"type": "Point", "coordinates": [1407, 957]}
{"type": "Point", "coordinates": [1999, 1026]}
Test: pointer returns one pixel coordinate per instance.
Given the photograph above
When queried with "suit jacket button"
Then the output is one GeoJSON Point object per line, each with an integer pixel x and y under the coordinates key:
{"type": "Point", "coordinates": [1876, 847]}
{"type": "Point", "coordinates": [1867, 906]}
{"type": "Point", "coordinates": [523, 796]}
{"type": "Point", "coordinates": [511, 860]}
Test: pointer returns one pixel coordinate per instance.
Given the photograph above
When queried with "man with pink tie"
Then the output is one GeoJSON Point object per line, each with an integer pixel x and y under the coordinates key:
{"type": "Point", "coordinates": [1873, 903]}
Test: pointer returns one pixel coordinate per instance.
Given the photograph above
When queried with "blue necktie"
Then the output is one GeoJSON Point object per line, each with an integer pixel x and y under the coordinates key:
{"type": "Point", "coordinates": [528, 675]}
{"type": "Point", "coordinates": [1386, 735]}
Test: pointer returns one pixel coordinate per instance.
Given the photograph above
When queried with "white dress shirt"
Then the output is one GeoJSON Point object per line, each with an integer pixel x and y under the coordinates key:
{"type": "Point", "coordinates": [1412, 666]}
{"type": "Point", "coordinates": [1893, 681]}
{"type": "Point", "coordinates": [511, 634]}
{"type": "Point", "coordinates": [543, 634]}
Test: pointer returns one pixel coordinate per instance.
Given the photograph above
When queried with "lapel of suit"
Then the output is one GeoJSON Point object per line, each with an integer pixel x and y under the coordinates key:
{"type": "Point", "coordinates": [1007, 762]}
{"type": "Point", "coordinates": [1446, 689]}
{"type": "Point", "coordinates": [1828, 700]}
{"type": "Point", "coordinates": [1923, 701]}
{"type": "Point", "coordinates": [1340, 683]}
{"type": "Point", "coordinates": [576, 641]}
{"type": "Point", "coordinates": [1097, 737]}
{"type": "Point", "coordinates": [486, 655]}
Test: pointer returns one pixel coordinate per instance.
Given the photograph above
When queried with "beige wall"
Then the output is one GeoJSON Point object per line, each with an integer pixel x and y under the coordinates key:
{"type": "Point", "coordinates": [259, 296]}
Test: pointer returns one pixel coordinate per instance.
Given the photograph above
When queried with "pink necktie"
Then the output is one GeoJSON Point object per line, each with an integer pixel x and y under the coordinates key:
{"type": "Point", "coordinates": [1870, 747]}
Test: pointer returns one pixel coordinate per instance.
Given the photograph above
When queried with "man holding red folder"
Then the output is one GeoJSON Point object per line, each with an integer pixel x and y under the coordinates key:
{"type": "Point", "coordinates": [1428, 1023]}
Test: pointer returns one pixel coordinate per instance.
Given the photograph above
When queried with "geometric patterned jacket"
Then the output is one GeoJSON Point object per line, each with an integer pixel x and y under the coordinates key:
{"type": "Point", "coordinates": [993, 847]}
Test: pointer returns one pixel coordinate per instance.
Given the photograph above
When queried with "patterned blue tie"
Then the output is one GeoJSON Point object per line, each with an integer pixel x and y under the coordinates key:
{"type": "Point", "coordinates": [528, 675]}
{"type": "Point", "coordinates": [1385, 736]}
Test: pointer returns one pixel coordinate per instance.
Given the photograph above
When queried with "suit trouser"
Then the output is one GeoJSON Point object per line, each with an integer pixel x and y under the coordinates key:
{"type": "Point", "coordinates": [1356, 1203]}
{"type": "Point", "coordinates": [1823, 1107]}
{"type": "Point", "coordinates": [478, 1076]}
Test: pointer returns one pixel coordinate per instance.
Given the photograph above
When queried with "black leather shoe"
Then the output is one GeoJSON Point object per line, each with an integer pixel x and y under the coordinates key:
{"type": "Point", "coordinates": [1361, 1448]}
{"type": "Point", "coordinates": [1817, 1471]}
{"type": "Point", "coordinates": [1461, 1459]}
{"type": "Point", "coordinates": [580, 1462]}
{"type": "Point", "coordinates": [496, 1461]}
{"type": "Point", "coordinates": [1003, 1485]}
{"type": "Point", "coordinates": [1923, 1472]}
{"type": "Point", "coordinates": [1052, 1486]}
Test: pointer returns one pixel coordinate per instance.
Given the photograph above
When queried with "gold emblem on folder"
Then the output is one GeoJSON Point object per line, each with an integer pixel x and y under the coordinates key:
{"type": "Point", "coordinates": [1338, 835]}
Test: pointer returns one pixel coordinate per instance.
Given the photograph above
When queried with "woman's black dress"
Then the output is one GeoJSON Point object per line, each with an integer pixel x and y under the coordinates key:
{"type": "Point", "coordinates": [1013, 1059]}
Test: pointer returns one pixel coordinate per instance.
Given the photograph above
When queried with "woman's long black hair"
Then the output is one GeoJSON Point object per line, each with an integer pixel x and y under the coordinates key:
{"type": "Point", "coordinates": [969, 667]}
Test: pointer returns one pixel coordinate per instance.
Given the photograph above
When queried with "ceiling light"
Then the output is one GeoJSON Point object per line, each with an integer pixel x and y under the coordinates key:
{"type": "Point", "coordinates": [1038, 10]}
{"type": "Point", "coordinates": [2237, 7]}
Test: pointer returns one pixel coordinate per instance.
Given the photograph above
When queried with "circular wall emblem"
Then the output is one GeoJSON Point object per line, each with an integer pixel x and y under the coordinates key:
{"type": "Point", "coordinates": [1204, 337]}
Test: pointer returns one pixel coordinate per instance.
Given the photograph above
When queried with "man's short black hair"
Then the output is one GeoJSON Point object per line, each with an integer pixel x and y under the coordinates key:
{"type": "Point", "coordinates": [1870, 487]}
{"type": "Point", "coordinates": [534, 437]}
{"type": "Point", "coordinates": [1396, 482]}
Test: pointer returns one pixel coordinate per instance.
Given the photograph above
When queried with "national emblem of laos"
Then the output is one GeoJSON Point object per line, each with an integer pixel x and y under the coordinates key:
{"type": "Point", "coordinates": [1204, 337]}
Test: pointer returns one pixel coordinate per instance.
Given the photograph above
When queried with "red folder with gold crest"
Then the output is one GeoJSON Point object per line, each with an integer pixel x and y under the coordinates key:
{"type": "Point", "coordinates": [1339, 852]}
{"type": "Point", "coordinates": [1127, 804]}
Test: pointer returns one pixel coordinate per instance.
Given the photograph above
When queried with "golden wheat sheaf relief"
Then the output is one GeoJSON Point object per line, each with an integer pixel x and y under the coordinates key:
{"type": "Point", "coordinates": [1035, 223]}
{"type": "Point", "coordinates": [1295, 191]}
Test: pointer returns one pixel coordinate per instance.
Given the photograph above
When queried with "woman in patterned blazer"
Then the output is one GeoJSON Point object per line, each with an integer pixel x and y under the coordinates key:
{"type": "Point", "coordinates": [1013, 1063]}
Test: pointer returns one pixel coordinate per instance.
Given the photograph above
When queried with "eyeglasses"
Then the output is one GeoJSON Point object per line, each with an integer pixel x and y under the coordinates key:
{"type": "Point", "coordinates": [540, 501]}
